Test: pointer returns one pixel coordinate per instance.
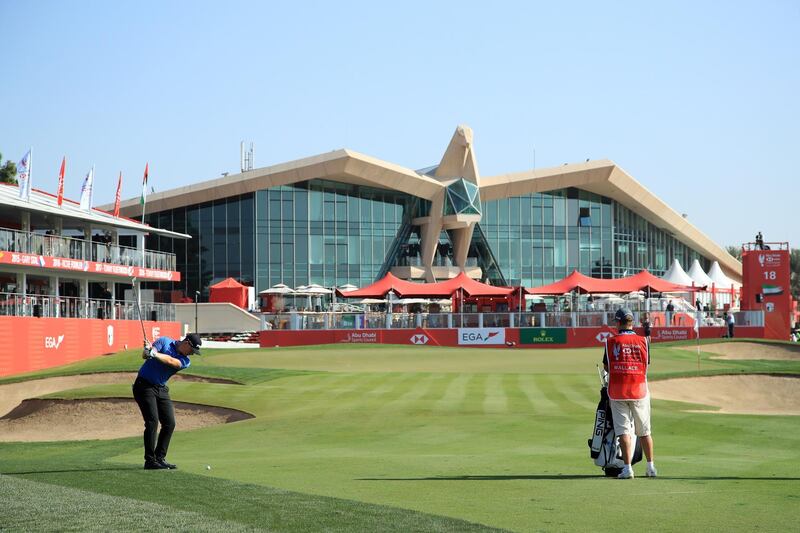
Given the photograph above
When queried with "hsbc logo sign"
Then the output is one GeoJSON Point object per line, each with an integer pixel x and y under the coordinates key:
{"type": "Point", "coordinates": [603, 335]}
{"type": "Point", "coordinates": [481, 336]}
{"type": "Point", "coordinates": [52, 343]}
{"type": "Point", "coordinates": [419, 338]}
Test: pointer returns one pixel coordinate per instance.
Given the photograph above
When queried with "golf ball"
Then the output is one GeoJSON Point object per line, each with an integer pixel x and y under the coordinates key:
{"type": "Point", "coordinates": [208, 467]}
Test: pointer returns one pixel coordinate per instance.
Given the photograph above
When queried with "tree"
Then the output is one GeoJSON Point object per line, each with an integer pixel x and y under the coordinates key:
{"type": "Point", "coordinates": [8, 172]}
{"type": "Point", "coordinates": [735, 251]}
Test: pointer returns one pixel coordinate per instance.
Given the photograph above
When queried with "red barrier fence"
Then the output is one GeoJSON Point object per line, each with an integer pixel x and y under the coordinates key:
{"type": "Point", "coordinates": [30, 344]}
{"type": "Point", "coordinates": [485, 337]}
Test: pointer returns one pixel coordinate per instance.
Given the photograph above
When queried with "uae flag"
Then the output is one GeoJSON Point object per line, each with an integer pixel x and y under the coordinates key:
{"type": "Point", "coordinates": [118, 197]}
{"type": "Point", "coordinates": [61, 180]}
{"type": "Point", "coordinates": [143, 199]}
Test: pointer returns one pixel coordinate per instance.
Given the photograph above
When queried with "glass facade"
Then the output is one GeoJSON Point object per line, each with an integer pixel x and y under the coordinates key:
{"type": "Point", "coordinates": [325, 232]}
{"type": "Point", "coordinates": [541, 238]}
{"type": "Point", "coordinates": [333, 233]}
{"type": "Point", "coordinates": [222, 243]}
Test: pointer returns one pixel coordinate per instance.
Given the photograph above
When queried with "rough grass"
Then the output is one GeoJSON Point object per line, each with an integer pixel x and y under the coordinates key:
{"type": "Point", "coordinates": [352, 439]}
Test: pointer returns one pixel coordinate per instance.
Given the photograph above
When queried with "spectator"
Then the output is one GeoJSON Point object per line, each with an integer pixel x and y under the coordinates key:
{"type": "Point", "coordinates": [670, 312]}
{"type": "Point", "coordinates": [731, 322]}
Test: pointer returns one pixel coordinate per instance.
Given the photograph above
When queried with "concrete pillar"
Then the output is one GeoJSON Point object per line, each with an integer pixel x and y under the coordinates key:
{"type": "Point", "coordinates": [22, 280]}
{"type": "Point", "coordinates": [25, 221]}
{"type": "Point", "coordinates": [511, 320]}
{"type": "Point", "coordinates": [141, 249]}
{"type": "Point", "coordinates": [480, 320]}
{"type": "Point", "coordinates": [450, 320]}
{"type": "Point", "coordinates": [87, 242]}
{"type": "Point", "coordinates": [112, 286]}
{"type": "Point", "coordinates": [57, 299]}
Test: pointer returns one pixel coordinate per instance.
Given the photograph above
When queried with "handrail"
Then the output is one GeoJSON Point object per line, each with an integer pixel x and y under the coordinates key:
{"type": "Point", "coordinates": [12, 240]}
{"type": "Point", "coordinates": [49, 306]}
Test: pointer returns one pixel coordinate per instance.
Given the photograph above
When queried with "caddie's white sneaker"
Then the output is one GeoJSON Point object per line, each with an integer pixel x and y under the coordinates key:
{"type": "Point", "coordinates": [651, 471]}
{"type": "Point", "coordinates": [627, 473]}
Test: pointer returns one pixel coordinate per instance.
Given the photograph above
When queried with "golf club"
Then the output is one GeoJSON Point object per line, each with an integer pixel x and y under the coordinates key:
{"type": "Point", "coordinates": [138, 311]}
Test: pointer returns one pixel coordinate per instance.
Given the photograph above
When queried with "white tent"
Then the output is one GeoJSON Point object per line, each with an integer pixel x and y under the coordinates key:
{"type": "Point", "coordinates": [676, 274]}
{"type": "Point", "coordinates": [699, 276]}
{"type": "Point", "coordinates": [280, 288]}
{"type": "Point", "coordinates": [721, 281]}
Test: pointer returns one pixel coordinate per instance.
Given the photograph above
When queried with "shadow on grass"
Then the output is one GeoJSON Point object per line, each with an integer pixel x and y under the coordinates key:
{"type": "Point", "coordinates": [566, 477]}
{"type": "Point", "coordinates": [485, 478]}
{"type": "Point", "coordinates": [71, 470]}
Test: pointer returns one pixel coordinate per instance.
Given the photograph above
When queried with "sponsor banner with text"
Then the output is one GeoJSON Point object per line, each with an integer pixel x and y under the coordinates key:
{"type": "Point", "coordinates": [91, 267]}
{"type": "Point", "coordinates": [573, 337]}
{"type": "Point", "coordinates": [481, 336]}
{"type": "Point", "coordinates": [40, 343]}
{"type": "Point", "coordinates": [543, 336]}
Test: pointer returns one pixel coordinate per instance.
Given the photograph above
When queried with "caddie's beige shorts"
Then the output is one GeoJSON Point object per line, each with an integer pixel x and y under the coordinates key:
{"type": "Point", "coordinates": [631, 416]}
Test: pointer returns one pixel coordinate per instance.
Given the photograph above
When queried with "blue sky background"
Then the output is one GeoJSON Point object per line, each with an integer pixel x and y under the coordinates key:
{"type": "Point", "coordinates": [697, 100]}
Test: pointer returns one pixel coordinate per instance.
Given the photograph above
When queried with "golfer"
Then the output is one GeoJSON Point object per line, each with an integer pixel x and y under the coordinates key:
{"type": "Point", "coordinates": [162, 360]}
{"type": "Point", "coordinates": [626, 358]}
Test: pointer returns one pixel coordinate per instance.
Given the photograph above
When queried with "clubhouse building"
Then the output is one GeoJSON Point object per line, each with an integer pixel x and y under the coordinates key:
{"type": "Point", "coordinates": [347, 218]}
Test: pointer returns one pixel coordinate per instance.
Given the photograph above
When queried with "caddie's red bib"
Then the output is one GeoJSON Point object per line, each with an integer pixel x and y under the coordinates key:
{"type": "Point", "coordinates": [627, 367]}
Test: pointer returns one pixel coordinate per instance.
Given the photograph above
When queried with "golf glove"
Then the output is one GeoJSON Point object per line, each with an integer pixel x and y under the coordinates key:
{"type": "Point", "coordinates": [149, 353]}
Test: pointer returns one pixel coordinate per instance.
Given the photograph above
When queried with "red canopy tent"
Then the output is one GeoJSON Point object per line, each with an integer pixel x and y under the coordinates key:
{"type": "Point", "coordinates": [645, 281]}
{"type": "Point", "coordinates": [460, 282]}
{"type": "Point", "coordinates": [575, 282]}
{"type": "Point", "coordinates": [582, 283]}
{"type": "Point", "coordinates": [408, 289]}
{"type": "Point", "coordinates": [229, 290]}
{"type": "Point", "coordinates": [381, 288]}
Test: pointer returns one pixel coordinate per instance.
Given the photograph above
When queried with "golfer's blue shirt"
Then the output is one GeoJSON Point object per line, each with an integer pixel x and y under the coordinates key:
{"type": "Point", "coordinates": [157, 372]}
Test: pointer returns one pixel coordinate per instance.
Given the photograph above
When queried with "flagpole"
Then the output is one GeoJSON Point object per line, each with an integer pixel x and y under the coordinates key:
{"type": "Point", "coordinates": [30, 175]}
{"type": "Point", "coordinates": [697, 334]}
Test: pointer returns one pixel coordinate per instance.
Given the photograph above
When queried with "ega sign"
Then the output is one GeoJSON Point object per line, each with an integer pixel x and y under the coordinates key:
{"type": "Point", "coordinates": [481, 336]}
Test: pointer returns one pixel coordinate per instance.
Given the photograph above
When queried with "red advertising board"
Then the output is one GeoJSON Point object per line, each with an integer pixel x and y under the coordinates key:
{"type": "Point", "coordinates": [37, 343]}
{"type": "Point", "coordinates": [91, 267]}
{"type": "Point", "coordinates": [574, 337]}
{"type": "Point", "coordinates": [766, 286]}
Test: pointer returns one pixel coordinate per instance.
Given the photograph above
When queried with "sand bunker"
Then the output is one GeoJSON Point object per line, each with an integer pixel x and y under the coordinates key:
{"type": "Point", "coordinates": [753, 350]}
{"type": "Point", "coordinates": [27, 420]}
{"type": "Point", "coordinates": [742, 394]}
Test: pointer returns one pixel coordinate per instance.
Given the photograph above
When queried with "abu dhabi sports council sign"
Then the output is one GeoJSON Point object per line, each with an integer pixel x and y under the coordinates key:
{"type": "Point", "coordinates": [481, 336]}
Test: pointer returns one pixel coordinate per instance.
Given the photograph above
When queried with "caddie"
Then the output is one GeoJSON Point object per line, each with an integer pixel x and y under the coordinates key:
{"type": "Point", "coordinates": [626, 359]}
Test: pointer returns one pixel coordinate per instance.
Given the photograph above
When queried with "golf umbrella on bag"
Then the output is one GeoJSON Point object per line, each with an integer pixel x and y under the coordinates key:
{"type": "Point", "coordinates": [604, 444]}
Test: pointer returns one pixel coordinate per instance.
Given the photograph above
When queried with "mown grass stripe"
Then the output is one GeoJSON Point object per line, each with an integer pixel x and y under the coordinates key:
{"type": "Point", "coordinates": [495, 399]}
{"type": "Point", "coordinates": [531, 388]}
{"type": "Point", "coordinates": [454, 394]}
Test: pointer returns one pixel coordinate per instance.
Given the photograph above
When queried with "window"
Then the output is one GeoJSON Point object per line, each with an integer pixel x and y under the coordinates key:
{"type": "Point", "coordinates": [585, 217]}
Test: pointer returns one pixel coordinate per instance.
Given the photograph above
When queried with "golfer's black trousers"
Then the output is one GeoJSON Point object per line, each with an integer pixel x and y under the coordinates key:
{"type": "Point", "coordinates": [156, 407]}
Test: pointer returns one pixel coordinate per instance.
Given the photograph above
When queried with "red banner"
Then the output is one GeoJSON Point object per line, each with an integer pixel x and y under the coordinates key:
{"type": "Point", "coordinates": [575, 337]}
{"type": "Point", "coordinates": [92, 267]}
{"type": "Point", "coordinates": [37, 343]}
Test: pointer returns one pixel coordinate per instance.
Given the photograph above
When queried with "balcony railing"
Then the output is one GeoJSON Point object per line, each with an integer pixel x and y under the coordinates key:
{"type": "Point", "coordinates": [67, 247]}
{"type": "Point", "coordinates": [331, 320]}
{"type": "Point", "coordinates": [44, 306]}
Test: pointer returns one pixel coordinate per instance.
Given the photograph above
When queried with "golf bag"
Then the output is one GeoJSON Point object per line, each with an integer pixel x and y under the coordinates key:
{"type": "Point", "coordinates": [604, 445]}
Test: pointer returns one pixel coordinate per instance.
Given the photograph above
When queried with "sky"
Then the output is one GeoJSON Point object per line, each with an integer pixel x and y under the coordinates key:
{"type": "Point", "coordinates": [696, 100]}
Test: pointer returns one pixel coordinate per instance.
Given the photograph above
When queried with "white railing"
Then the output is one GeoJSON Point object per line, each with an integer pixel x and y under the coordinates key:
{"type": "Point", "coordinates": [382, 320]}
{"type": "Point", "coordinates": [44, 306]}
{"type": "Point", "coordinates": [55, 246]}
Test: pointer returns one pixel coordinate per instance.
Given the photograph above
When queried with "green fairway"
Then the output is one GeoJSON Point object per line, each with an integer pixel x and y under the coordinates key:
{"type": "Point", "coordinates": [364, 438]}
